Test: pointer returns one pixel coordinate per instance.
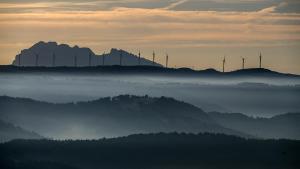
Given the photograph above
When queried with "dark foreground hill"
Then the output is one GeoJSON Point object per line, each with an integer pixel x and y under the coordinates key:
{"type": "Point", "coordinates": [153, 151]}
{"type": "Point", "coordinates": [9, 132]}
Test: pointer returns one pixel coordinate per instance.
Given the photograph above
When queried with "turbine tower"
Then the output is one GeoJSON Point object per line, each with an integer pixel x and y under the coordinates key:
{"type": "Point", "coordinates": [260, 59]}
{"type": "Point", "coordinates": [103, 59]}
{"type": "Point", "coordinates": [153, 58]}
{"type": "Point", "coordinates": [19, 60]}
{"type": "Point", "coordinates": [224, 61]}
{"type": "Point", "coordinates": [53, 60]}
{"type": "Point", "coordinates": [121, 57]}
{"type": "Point", "coordinates": [167, 60]}
{"type": "Point", "coordinates": [97, 61]}
{"type": "Point", "coordinates": [75, 61]}
{"type": "Point", "coordinates": [90, 59]}
{"type": "Point", "coordinates": [36, 60]}
{"type": "Point", "coordinates": [139, 57]}
{"type": "Point", "coordinates": [243, 66]}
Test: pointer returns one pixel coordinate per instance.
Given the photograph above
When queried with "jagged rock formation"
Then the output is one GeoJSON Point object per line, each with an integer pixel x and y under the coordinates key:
{"type": "Point", "coordinates": [51, 54]}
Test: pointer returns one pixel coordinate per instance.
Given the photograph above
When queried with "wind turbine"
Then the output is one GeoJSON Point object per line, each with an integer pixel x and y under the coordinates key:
{"type": "Point", "coordinates": [167, 60]}
{"type": "Point", "coordinates": [75, 61]}
{"type": "Point", "coordinates": [153, 58]}
{"type": "Point", "coordinates": [121, 57]}
{"type": "Point", "coordinates": [224, 61]}
{"type": "Point", "coordinates": [260, 59]}
{"type": "Point", "coordinates": [139, 57]}
{"type": "Point", "coordinates": [53, 60]}
{"type": "Point", "coordinates": [243, 62]}
{"type": "Point", "coordinates": [36, 60]}
{"type": "Point", "coordinates": [19, 61]}
{"type": "Point", "coordinates": [103, 59]}
{"type": "Point", "coordinates": [97, 61]}
{"type": "Point", "coordinates": [90, 59]}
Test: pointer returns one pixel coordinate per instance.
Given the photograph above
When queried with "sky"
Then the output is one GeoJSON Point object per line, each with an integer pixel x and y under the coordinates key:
{"type": "Point", "coordinates": [194, 33]}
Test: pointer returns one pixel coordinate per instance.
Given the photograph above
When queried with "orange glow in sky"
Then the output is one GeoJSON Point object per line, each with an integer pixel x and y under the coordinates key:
{"type": "Point", "coordinates": [197, 38]}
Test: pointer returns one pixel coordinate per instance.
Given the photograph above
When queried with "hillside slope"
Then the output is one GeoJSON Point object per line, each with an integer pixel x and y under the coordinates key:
{"type": "Point", "coordinates": [280, 126]}
{"type": "Point", "coordinates": [109, 117]}
{"type": "Point", "coordinates": [9, 132]}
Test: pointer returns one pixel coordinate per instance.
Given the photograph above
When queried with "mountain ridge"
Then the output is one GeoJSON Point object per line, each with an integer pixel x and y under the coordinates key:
{"type": "Point", "coordinates": [143, 114]}
{"type": "Point", "coordinates": [110, 116]}
{"type": "Point", "coordinates": [278, 126]}
{"type": "Point", "coordinates": [116, 69]}
{"type": "Point", "coordinates": [52, 54]}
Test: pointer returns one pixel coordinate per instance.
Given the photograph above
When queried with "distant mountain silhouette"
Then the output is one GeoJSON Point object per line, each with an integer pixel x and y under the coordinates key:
{"type": "Point", "coordinates": [116, 116]}
{"type": "Point", "coordinates": [51, 54]}
{"type": "Point", "coordinates": [153, 151]}
{"type": "Point", "coordinates": [280, 126]}
{"type": "Point", "coordinates": [9, 132]}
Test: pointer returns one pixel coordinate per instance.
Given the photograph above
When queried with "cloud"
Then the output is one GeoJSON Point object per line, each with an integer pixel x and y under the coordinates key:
{"type": "Point", "coordinates": [175, 4]}
{"type": "Point", "coordinates": [274, 8]}
{"type": "Point", "coordinates": [159, 24]}
{"type": "Point", "coordinates": [179, 5]}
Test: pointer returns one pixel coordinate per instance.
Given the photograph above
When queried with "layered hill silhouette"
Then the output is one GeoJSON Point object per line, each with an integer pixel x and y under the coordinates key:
{"type": "Point", "coordinates": [279, 126]}
{"type": "Point", "coordinates": [51, 54]}
{"type": "Point", "coordinates": [10, 132]}
{"type": "Point", "coordinates": [147, 70]}
{"type": "Point", "coordinates": [153, 151]}
{"type": "Point", "coordinates": [126, 114]}
{"type": "Point", "coordinates": [109, 117]}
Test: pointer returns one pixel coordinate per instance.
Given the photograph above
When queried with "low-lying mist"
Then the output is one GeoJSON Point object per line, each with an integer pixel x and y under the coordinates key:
{"type": "Point", "coordinates": [252, 96]}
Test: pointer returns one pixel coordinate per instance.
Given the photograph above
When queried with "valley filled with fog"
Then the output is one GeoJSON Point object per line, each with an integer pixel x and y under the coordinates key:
{"type": "Point", "coordinates": [264, 97]}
